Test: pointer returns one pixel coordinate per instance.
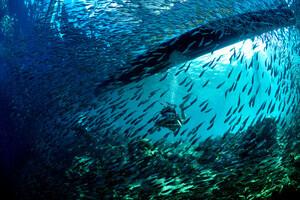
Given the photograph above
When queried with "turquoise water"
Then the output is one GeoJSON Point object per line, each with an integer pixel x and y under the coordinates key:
{"type": "Point", "coordinates": [258, 53]}
{"type": "Point", "coordinates": [64, 134]}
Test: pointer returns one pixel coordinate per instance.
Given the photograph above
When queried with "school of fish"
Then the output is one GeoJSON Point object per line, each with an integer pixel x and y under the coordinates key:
{"type": "Point", "coordinates": [240, 132]}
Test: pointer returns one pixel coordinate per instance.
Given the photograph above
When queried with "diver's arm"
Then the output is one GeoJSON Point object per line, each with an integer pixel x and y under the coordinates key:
{"type": "Point", "coordinates": [182, 117]}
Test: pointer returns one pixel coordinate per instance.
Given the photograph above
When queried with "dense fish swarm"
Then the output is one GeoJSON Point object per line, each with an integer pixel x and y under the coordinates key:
{"type": "Point", "coordinates": [224, 125]}
{"type": "Point", "coordinates": [259, 163]}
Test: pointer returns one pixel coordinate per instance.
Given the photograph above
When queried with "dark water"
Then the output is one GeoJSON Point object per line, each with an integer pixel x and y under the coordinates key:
{"type": "Point", "coordinates": [178, 99]}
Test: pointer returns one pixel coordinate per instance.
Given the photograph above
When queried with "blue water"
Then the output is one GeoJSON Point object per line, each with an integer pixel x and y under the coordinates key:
{"type": "Point", "coordinates": [54, 53]}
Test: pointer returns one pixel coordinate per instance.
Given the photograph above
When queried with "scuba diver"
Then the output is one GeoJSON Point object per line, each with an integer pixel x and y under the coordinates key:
{"type": "Point", "coordinates": [168, 118]}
